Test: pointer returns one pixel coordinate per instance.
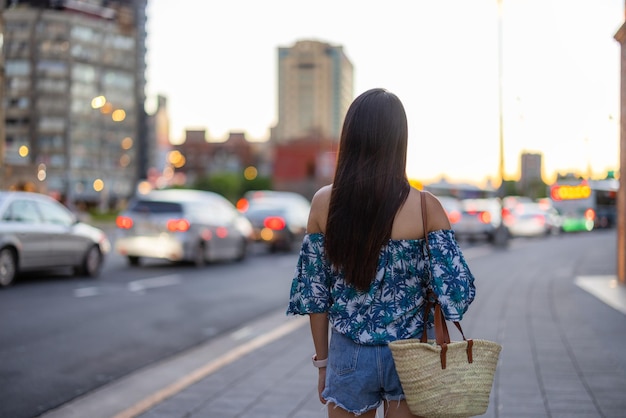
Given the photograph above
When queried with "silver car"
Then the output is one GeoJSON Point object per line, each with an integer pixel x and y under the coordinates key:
{"type": "Point", "coordinates": [182, 226]}
{"type": "Point", "coordinates": [38, 233]}
{"type": "Point", "coordinates": [479, 219]}
{"type": "Point", "coordinates": [532, 220]}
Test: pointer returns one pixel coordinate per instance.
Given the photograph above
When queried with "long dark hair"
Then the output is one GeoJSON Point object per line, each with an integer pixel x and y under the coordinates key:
{"type": "Point", "coordinates": [370, 184]}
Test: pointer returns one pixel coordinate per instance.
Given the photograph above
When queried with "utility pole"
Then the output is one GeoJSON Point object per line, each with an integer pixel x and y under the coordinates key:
{"type": "Point", "coordinates": [501, 238]}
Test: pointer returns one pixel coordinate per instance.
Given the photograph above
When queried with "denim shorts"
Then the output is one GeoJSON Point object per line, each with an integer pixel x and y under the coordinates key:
{"type": "Point", "coordinates": [359, 377]}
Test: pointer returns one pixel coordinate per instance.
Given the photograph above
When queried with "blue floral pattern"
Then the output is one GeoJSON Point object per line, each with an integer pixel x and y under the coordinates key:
{"type": "Point", "coordinates": [393, 307]}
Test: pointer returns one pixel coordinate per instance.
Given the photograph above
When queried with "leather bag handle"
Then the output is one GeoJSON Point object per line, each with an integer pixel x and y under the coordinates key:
{"type": "Point", "coordinates": [442, 336]}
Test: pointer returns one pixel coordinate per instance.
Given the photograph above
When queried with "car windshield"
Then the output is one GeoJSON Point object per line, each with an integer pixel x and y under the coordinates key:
{"type": "Point", "coordinates": [477, 205]}
{"type": "Point", "coordinates": [156, 207]}
{"type": "Point", "coordinates": [266, 210]}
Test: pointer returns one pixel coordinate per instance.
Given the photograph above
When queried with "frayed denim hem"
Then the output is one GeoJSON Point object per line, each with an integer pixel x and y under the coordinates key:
{"type": "Point", "coordinates": [396, 399]}
{"type": "Point", "coordinates": [357, 413]}
{"type": "Point", "coordinates": [388, 400]}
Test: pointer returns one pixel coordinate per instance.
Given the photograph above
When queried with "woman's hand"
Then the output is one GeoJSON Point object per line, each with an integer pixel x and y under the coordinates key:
{"type": "Point", "coordinates": [321, 383]}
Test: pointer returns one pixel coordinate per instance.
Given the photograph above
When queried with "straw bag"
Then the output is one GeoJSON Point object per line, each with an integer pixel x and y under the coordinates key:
{"type": "Point", "coordinates": [442, 378]}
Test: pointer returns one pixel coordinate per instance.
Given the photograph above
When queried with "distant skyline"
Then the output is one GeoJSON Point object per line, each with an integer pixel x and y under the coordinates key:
{"type": "Point", "coordinates": [215, 62]}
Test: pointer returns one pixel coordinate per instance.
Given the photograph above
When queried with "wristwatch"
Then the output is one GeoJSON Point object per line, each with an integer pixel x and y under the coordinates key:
{"type": "Point", "coordinates": [319, 363]}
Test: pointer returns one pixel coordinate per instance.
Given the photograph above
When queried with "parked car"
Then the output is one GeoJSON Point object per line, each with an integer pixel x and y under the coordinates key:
{"type": "Point", "coordinates": [39, 233]}
{"type": "Point", "coordinates": [532, 220]}
{"type": "Point", "coordinates": [278, 219]}
{"type": "Point", "coordinates": [480, 218]}
{"type": "Point", "coordinates": [182, 226]}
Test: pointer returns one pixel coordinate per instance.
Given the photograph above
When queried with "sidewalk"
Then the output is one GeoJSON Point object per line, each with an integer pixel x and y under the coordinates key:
{"type": "Point", "coordinates": [563, 331]}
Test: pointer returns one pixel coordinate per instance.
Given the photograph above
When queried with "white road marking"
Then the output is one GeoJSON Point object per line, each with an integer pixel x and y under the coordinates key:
{"type": "Point", "coordinates": [242, 333]}
{"type": "Point", "coordinates": [154, 282]}
{"type": "Point", "coordinates": [84, 292]}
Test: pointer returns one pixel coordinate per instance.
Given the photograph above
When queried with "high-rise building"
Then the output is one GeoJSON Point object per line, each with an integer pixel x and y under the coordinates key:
{"type": "Point", "coordinates": [531, 171]}
{"type": "Point", "coordinates": [315, 89]}
{"type": "Point", "coordinates": [74, 96]}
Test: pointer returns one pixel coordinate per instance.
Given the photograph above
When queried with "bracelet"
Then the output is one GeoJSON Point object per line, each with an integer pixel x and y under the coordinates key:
{"type": "Point", "coordinates": [319, 363]}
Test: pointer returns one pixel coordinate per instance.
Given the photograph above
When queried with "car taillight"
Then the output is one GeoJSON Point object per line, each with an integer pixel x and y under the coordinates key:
{"type": "Point", "coordinates": [275, 223]}
{"type": "Point", "coordinates": [485, 217]}
{"type": "Point", "coordinates": [221, 232]}
{"type": "Point", "coordinates": [590, 214]}
{"type": "Point", "coordinates": [178, 225]}
{"type": "Point", "coordinates": [124, 222]}
{"type": "Point", "coordinates": [242, 205]}
{"type": "Point", "coordinates": [454, 216]}
{"type": "Point", "coordinates": [541, 219]}
{"type": "Point", "coordinates": [507, 216]}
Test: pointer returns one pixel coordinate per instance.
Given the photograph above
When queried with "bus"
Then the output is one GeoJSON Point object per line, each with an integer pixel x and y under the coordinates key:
{"type": "Point", "coordinates": [585, 204]}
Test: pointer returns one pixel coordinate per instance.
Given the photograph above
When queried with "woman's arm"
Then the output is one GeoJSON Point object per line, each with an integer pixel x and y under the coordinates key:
{"type": "Point", "coordinates": [319, 332]}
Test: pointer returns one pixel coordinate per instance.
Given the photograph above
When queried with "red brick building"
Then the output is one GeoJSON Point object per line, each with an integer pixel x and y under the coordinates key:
{"type": "Point", "coordinates": [304, 165]}
{"type": "Point", "coordinates": [203, 157]}
{"type": "Point", "coordinates": [300, 165]}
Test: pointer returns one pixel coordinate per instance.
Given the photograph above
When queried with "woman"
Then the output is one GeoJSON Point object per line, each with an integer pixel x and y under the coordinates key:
{"type": "Point", "coordinates": [362, 265]}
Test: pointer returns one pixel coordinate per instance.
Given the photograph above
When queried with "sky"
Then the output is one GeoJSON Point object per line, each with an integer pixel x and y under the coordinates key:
{"type": "Point", "coordinates": [555, 64]}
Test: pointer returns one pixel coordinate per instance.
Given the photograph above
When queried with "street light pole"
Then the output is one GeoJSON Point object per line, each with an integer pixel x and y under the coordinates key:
{"type": "Point", "coordinates": [501, 238]}
{"type": "Point", "coordinates": [500, 98]}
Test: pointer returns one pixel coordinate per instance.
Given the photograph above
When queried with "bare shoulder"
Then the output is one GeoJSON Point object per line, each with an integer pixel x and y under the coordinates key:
{"type": "Point", "coordinates": [319, 210]}
{"type": "Point", "coordinates": [408, 223]}
{"type": "Point", "coordinates": [437, 216]}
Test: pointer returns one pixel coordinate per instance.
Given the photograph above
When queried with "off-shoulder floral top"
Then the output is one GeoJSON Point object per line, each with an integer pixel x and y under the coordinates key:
{"type": "Point", "coordinates": [393, 307]}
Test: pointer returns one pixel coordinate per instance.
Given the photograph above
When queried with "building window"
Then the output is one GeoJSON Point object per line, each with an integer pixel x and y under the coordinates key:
{"type": "Point", "coordinates": [51, 124]}
{"type": "Point", "coordinates": [52, 69]}
{"type": "Point", "coordinates": [85, 34]}
{"type": "Point", "coordinates": [17, 68]}
{"type": "Point", "coordinates": [52, 86]}
{"type": "Point", "coordinates": [18, 102]}
{"type": "Point", "coordinates": [17, 84]}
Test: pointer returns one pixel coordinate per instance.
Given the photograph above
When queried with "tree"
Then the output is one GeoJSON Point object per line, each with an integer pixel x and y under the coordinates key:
{"type": "Point", "coordinates": [231, 185]}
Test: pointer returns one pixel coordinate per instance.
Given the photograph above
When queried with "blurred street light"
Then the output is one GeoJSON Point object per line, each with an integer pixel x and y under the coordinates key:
{"type": "Point", "coordinates": [41, 172]}
{"type": "Point", "coordinates": [501, 238]}
{"type": "Point", "coordinates": [176, 159]}
{"type": "Point", "coordinates": [98, 102]}
{"type": "Point", "coordinates": [250, 173]}
{"type": "Point", "coordinates": [23, 151]}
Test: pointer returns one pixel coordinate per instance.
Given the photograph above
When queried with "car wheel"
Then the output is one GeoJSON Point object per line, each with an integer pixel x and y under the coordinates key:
{"type": "Point", "coordinates": [243, 251]}
{"type": "Point", "coordinates": [8, 267]}
{"type": "Point", "coordinates": [133, 260]}
{"type": "Point", "coordinates": [199, 257]}
{"type": "Point", "coordinates": [92, 263]}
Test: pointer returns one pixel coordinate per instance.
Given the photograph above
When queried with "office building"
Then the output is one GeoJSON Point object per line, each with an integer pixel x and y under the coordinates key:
{"type": "Point", "coordinates": [315, 89]}
{"type": "Point", "coordinates": [74, 97]}
{"type": "Point", "coordinates": [531, 172]}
